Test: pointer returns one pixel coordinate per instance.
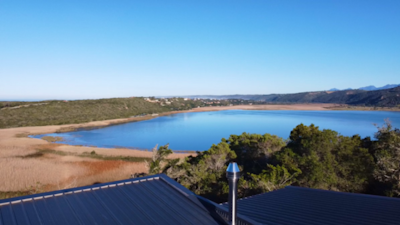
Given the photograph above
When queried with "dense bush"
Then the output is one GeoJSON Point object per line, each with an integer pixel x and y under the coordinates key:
{"type": "Point", "coordinates": [313, 158]}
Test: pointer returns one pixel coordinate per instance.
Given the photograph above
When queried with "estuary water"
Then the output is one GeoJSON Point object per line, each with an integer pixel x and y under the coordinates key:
{"type": "Point", "coordinates": [199, 130]}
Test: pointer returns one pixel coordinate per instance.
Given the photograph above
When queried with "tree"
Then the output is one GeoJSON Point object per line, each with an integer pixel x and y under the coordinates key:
{"type": "Point", "coordinates": [387, 155]}
{"type": "Point", "coordinates": [326, 159]}
{"type": "Point", "coordinates": [254, 150]}
{"type": "Point", "coordinates": [204, 174]}
{"type": "Point", "coordinates": [275, 177]}
{"type": "Point", "coordinates": [156, 165]}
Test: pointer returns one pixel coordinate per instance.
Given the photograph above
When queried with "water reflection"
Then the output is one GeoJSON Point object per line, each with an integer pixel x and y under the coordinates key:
{"type": "Point", "coordinates": [198, 131]}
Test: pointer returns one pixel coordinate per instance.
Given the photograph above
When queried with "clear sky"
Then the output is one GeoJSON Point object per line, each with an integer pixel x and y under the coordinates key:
{"type": "Point", "coordinates": [98, 49]}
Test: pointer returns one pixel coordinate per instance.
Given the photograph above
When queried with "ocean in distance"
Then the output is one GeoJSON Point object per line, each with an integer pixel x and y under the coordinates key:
{"type": "Point", "coordinates": [199, 130]}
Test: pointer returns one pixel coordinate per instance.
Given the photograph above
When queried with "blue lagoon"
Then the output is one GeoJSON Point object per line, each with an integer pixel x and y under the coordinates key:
{"type": "Point", "coordinates": [199, 130]}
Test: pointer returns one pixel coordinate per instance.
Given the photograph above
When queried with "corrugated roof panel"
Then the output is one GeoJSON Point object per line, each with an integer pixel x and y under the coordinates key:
{"type": "Point", "coordinates": [1, 218]}
{"type": "Point", "coordinates": [151, 200]}
{"type": "Point", "coordinates": [106, 208]}
{"type": "Point", "coordinates": [8, 215]}
{"type": "Point", "coordinates": [111, 202]}
{"type": "Point", "coordinates": [146, 204]}
{"type": "Point", "coordinates": [129, 211]}
{"type": "Point", "coordinates": [305, 206]}
{"type": "Point", "coordinates": [43, 212]}
{"type": "Point", "coordinates": [32, 213]}
{"type": "Point", "coordinates": [194, 215]}
{"type": "Point", "coordinates": [64, 211]}
{"type": "Point", "coordinates": [19, 213]}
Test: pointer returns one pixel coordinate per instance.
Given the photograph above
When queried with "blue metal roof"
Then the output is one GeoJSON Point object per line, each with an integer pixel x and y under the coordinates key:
{"type": "Point", "coordinates": [306, 206]}
{"type": "Point", "coordinates": [160, 200]}
{"type": "Point", "coordinates": [149, 200]}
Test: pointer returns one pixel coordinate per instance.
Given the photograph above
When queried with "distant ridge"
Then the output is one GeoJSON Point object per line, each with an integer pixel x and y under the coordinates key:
{"type": "Point", "coordinates": [369, 88]}
{"type": "Point", "coordinates": [382, 98]}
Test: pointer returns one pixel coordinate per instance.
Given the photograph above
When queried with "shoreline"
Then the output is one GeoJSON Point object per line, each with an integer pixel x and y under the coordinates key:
{"type": "Point", "coordinates": [295, 107]}
{"type": "Point", "coordinates": [26, 162]}
{"type": "Point", "coordinates": [23, 132]}
{"type": "Point", "coordinates": [104, 123]}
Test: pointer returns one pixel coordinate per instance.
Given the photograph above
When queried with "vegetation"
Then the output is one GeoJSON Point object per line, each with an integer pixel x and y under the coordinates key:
{"type": "Point", "coordinates": [313, 158]}
{"type": "Point", "coordinates": [386, 152]}
{"type": "Point", "coordinates": [69, 112]}
{"type": "Point", "coordinates": [52, 138]}
{"type": "Point", "coordinates": [20, 114]}
{"type": "Point", "coordinates": [380, 98]}
{"type": "Point", "coordinates": [4, 104]}
{"type": "Point", "coordinates": [92, 155]}
{"type": "Point", "coordinates": [159, 157]}
{"type": "Point", "coordinates": [28, 191]}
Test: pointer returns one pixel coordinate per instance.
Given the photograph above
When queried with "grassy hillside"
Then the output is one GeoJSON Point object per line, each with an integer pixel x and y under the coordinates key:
{"type": "Point", "coordinates": [60, 112]}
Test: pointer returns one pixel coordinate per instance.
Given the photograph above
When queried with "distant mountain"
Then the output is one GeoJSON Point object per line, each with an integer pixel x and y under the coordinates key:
{"type": "Point", "coordinates": [335, 89]}
{"type": "Point", "coordinates": [382, 98]}
{"type": "Point", "coordinates": [369, 88]}
{"type": "Point", "coordinates": [388, 86]}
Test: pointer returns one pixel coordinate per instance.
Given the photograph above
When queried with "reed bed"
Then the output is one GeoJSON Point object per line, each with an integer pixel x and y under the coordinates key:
{"type": "Point", "coordinates": [15, 151]}
{"type": "Point", "coordinates": [19, 174]}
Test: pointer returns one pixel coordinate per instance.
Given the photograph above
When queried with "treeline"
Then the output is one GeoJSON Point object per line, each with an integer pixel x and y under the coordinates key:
{"type": "Point", "coordinates": [311, 157]}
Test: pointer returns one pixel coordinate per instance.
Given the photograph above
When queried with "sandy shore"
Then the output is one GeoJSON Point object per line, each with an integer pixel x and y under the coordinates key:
{"type": "Point", "coordinates": [23, 168]}
{"type": "Point", "coordinates": [316, 107]}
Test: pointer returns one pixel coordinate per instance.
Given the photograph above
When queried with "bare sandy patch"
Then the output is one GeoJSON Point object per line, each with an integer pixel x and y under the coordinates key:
{"type": "Point", "coordinates": [113, 151]}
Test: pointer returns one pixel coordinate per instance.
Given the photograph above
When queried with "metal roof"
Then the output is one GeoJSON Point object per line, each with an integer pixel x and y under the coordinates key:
{"type": "Point", "coordinates": [306, 206]}
{"type": "Point", "coordinates": [160, 200]}
{"type": "Point", "coordinates": [150, 200]}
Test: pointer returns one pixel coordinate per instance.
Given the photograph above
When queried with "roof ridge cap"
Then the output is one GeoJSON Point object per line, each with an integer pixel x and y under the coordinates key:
{"type": "Point", "coordinates": [61, 192]}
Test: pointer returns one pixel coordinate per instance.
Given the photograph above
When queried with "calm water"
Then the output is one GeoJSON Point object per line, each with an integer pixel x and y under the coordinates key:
{"type": "Point", "coordinates": [198, 131]}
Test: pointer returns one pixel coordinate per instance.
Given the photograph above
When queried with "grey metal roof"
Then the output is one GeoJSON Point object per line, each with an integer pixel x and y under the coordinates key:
{"type": "Point", "coordinates": [150, 200]}
{"type": "Point", "coordinates": [305, 206]}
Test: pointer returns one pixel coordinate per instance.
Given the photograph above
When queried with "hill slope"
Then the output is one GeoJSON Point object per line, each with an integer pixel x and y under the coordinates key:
{"type": "Point", "coordinates": [369, 88]}
{"type": "Point", "coordinates": [382, 98]}
{"type": "Point", "coordinates": [19, 114]}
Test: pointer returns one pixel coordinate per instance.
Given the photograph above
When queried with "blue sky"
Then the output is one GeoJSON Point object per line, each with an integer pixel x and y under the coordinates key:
{"type": "Point", "coordinates": [100, 49]}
